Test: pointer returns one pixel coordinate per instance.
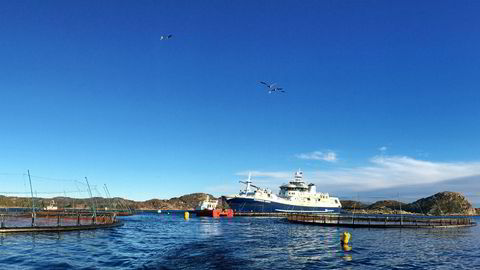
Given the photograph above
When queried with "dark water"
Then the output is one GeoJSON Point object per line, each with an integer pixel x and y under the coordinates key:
{"type": "Point", "coordinates": [152, 241]}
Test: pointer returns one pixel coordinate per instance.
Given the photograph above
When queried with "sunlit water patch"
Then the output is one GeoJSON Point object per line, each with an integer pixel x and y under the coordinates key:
{"type": "Point", "coordinates": [152, 241]}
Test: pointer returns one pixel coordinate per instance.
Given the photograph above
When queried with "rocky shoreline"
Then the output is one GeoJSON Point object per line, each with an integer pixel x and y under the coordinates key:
{"type": "Point", "coordinates": [443, 203]}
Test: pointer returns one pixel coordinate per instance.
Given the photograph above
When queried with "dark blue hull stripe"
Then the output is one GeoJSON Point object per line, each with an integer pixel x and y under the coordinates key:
{"type": "Point", "coordinates": [250, 205]}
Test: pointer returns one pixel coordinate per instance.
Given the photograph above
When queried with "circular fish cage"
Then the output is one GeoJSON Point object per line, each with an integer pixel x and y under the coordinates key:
{"type": "Point", "coordinates": [382, 221]}
{"type": "Point", "coordinates": [56, 221]}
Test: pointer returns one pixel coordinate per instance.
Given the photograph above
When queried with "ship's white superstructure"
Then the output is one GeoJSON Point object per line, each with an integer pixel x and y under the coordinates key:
{"type": "Point", "coordinates": [295, 196]}
{"type": "Point", "coordinates": [207, 204]}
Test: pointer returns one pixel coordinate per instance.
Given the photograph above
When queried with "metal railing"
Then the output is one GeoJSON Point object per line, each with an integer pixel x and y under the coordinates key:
{"type": "Point", "coordinates": [51, 220]}
{"type": "Point", "coordinates": [382, 221]}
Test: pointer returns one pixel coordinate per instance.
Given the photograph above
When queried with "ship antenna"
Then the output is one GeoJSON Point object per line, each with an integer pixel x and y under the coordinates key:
{"type": "Point", "coordinates": [249, 181]}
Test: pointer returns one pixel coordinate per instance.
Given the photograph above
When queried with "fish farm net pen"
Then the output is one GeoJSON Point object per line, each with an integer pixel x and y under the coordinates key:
{"type": "Point", "coordinates": [24, 222]}
{"type": "Point", "coordinates": [382, 221]}
{"type": "Point", "coordinates": [25, 211]}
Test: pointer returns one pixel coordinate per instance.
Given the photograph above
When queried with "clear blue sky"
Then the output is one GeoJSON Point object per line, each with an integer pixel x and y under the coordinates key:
{"type": "Point", "coordinates": [87, 88]}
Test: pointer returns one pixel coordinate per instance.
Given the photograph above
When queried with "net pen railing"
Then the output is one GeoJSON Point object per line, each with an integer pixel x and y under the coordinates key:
{"type": "Point", "coordinates": [55, 219]}
{"type": "Point", "coordinates": [382, 220]}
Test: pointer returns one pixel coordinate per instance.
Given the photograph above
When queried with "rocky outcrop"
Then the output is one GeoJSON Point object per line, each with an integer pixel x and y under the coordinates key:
{"type": "Point", "coordinates": [349, 204]}
{"type": "Point", "coordinates": [443, 203]}
{"type": "Point", "coordinates": [185, 202]}
{"type": "Point", "coordinates": [376, 208]}
{"type": "Point", "coordinates": [381, 211]}
{"type": "Point", "coordinates": [387, 204]}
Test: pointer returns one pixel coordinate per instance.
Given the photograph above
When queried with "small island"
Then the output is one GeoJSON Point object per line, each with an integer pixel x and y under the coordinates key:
{"type": "Point", "coordinates": [440, 204]}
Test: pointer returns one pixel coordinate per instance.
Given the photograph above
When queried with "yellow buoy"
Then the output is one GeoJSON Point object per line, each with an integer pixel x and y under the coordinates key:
{"type": "Point", "coordinates": [345, 238]}
{"type": "Point", "coordinates": [186, 215]}
{"type": "Point", "coordinates": [344, 241]}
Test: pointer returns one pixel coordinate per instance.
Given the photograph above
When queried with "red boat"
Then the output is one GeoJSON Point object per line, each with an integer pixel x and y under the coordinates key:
{"type": "Point", "coordinates": [207, 209]}
{"type": "Point", "coordinates": [214, 213]}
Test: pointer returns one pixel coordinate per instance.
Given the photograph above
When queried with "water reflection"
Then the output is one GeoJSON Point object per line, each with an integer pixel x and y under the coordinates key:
{"type": "Point", "coordinates": [208, 227]}
{"type": "Point", "coordinates": [347, 257]}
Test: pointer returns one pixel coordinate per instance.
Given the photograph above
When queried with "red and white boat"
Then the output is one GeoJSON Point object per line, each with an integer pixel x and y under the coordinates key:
{"type": "Point", "coordinates": [207, 208]}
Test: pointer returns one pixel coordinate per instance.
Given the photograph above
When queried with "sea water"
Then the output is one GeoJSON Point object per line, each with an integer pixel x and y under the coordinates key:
{"type": "Point", "coordinates": [167, 241]}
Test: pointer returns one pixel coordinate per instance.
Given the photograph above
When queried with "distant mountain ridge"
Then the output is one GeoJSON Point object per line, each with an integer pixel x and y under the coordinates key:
{"type": "Point", "coordinates": [466, 185]}
{"type": "Point", "coordinates": [442, 203]}
{"type": "Point", "coordinates": [185, 202]}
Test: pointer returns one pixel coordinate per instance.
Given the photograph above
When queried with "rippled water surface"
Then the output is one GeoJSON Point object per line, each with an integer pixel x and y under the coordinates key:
{"type": "Point", "coordinates": [152, 241]}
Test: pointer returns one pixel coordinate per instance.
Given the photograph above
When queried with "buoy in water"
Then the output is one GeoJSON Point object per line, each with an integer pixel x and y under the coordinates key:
{"type": "Point", "coordinates": [186, 215]}
{"type": "Point", "coordinates": [344, 241]}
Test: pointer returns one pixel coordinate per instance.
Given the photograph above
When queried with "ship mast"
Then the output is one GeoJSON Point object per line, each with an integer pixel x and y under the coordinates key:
{"type": "Point", "coordinates": [249, 182]}
{"type": "Point", "coordinates": [94, 206]}
{"type": "Point", "coordinates": [33, 200]}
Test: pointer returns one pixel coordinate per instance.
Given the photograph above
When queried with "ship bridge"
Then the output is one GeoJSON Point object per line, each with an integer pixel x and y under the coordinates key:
{"type": "Point", "coordinates": [297, 187]}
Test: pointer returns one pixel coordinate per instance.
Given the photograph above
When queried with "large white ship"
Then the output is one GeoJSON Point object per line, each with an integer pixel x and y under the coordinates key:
{"type": "Point", "coordinates": [296, 196]}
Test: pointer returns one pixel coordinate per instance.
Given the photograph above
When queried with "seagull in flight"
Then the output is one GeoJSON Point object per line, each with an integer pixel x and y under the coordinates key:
{"type": "Point", "coordinates": [271, 87]}
{"type": "Point", "coordinates": [166, 37]}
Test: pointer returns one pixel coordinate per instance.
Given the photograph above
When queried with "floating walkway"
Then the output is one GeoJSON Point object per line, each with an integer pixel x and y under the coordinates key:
{"type": "Point", "coordinates": [381, 221]}
{"type": "Point", "coordinates": [56, 222]}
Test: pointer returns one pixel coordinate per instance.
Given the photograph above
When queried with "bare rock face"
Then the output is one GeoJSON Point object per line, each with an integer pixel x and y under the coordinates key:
{"type": "Point", "coordinates": [443, 203]}
{"type": "Point", "coordinates": [379, 207]}
{"type": "Point", "coordinates": [388, 205]}
{"type": "Point", "coordinates": [351, 205]}
{"type": "Point", "coordinates": [185, 202]}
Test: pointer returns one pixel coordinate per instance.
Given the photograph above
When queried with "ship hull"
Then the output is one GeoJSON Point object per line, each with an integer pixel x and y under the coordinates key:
{"type": "Point", "coordinates": [214, 213]}
{"type": "Point", "coordinates": [263, 206]}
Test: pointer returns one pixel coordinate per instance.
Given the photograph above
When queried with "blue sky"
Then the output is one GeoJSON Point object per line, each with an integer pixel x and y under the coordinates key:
{"type": "Point", "coordinates": [380, 95]}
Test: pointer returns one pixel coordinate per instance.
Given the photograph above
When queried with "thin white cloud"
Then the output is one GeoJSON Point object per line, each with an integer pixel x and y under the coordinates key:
{"type": "Point", "coordinates": [389, 172]}
{"type": "Point", "coordinates": [383, 149]}
{"type": "Point", "coordinates": [328, 156]}
{"type": "Point", "coordinates": [382, 172]}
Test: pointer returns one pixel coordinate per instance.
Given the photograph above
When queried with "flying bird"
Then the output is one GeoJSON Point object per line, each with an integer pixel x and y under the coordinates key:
{"type": "Point", "coordinates": [271, 87]}
{"type": "Point", "coordinates": [166, 37]}
{"type": "Point", "coordinates": [279, 89]}
{"type": "Point", "coordinates": [268, 84]}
